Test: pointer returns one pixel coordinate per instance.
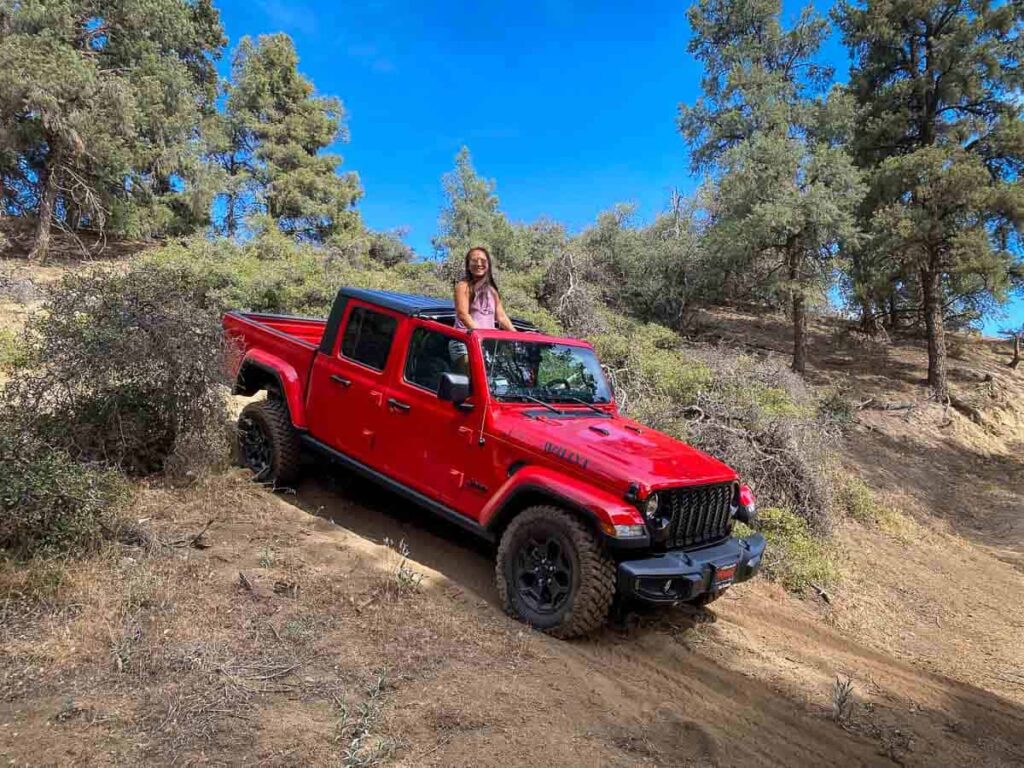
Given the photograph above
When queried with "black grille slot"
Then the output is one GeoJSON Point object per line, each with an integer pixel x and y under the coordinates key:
{"type": "Point", "coordinates": [700, 514]}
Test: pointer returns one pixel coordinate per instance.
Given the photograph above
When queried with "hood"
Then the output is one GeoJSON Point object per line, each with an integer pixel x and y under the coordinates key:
{"type": "Point", "coordinates": [620, 449]}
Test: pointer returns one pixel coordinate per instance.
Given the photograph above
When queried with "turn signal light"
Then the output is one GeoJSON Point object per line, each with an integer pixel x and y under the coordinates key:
{"type": "Point", "coordinates": [747, 508]}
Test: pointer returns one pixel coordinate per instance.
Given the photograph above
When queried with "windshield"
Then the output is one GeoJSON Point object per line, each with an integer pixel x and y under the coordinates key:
{"type": "Point", "coordinates": [521, 370]}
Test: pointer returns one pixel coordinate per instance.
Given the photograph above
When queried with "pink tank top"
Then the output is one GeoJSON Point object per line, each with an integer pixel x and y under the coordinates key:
{"type": "Point", "coordinates": [482, 307]}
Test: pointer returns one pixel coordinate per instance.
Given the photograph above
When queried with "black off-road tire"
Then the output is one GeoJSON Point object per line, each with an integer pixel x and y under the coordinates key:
{"type": "Point", "coordinates": [592, 587]}
{"type": "Point", "coordinates": [271, 419]}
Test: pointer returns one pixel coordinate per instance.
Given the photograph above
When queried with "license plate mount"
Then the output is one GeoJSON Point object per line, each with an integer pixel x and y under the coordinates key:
{"type": "Point", "coordinates": [724, 574]}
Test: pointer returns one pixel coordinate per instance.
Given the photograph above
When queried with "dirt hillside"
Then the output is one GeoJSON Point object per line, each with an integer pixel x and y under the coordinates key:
{"type": "Point", "coordinates": [291, 632]}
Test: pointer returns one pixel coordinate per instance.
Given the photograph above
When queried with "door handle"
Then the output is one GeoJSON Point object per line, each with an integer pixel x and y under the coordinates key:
{"type": "Point", "coordinates": [398, 404]}
{"type": "Point", "coordinates": [340, 380]}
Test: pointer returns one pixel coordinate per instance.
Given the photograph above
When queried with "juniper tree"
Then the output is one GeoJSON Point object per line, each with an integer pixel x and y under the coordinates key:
{"type": "Point", "coordinates": [783, 189]}
{"type": "Point", "coordinates": [938, 85]}
{"type": "Point", "coordinates": [471, 216]}
{"type": "Point", "coordinates": [270, 143]}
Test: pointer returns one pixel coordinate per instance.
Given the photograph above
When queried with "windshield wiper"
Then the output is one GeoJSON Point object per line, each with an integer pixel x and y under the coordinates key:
{"type": "Point", "coordinates": [591, 406]}
{"type": "Point", "coordinates": [536, 400]}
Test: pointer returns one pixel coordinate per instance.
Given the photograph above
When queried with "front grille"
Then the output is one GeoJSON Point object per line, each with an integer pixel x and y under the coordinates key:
{"type": "Point", "coordinates": [700, 514]}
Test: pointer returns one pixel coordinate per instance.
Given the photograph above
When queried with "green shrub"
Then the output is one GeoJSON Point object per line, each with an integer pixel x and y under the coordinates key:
{"type": "Point", "coordinates": [51, 504]}
{"type": "Point", "coordinates": [795, 557]}
{"type": "Point", "coordinates": [124, 369]}
{"type": "Point", "coordinates": [754, 414]}
{"type": "Point", "coordinates": [858, 501]}
{"type": "Point", "coordinates": [272, 273]}
{"type": "Point", "coordinates": [12, 350]}
{"type": "Point", "coordinates": [836, 407]}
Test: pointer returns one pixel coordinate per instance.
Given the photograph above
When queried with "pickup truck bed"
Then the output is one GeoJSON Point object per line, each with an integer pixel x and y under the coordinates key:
{"type": "Point", "coordinates": [285, 344]}
{"type": "Point", "coordinates": [308, 330]}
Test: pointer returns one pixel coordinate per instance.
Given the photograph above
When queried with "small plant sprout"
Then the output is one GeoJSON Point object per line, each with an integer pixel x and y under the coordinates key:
{"type": "Point", "coordinates": [267, 558]}
{"type": "Point", "coordinates": [842, 699]}
{"type": "Point", "coordinates": [402, 579]}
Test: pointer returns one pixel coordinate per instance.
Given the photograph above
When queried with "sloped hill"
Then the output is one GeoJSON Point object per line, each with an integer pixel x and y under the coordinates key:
{"type": "Point", "coordinates": [290, 640]}
{"type": "Point", "coordinates": [284, 630]}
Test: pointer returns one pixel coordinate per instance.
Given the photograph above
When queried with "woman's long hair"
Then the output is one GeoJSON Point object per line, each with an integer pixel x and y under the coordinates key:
{"type": "Point", "coordinates": [471, 281]}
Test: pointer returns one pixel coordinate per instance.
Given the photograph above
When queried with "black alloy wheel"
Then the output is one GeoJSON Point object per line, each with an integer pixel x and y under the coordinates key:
{"type": "Point", "coordinates": [544, 574]}
{"type": "Point", "coordinates": [553, 572]}
{"type": "Point", "coordinates": [268, 444]}
{"type": "Point", "coordinates": [255, 447]}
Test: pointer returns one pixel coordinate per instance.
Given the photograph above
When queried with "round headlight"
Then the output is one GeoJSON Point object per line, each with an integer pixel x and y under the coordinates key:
{"type": "Point", "coordinates": [651, 507]}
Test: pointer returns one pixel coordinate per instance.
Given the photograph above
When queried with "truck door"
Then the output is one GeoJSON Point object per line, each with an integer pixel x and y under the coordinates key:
{"type": "Point", "coordinates": [438, 443]}
{"type": "Point", "coordinates": [347, 389]}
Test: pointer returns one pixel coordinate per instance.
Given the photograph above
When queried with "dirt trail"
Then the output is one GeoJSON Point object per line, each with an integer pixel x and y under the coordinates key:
{"type": "Point", "coordinates": [279, 670]}
{"type": "Point", "coordinates": [747, 683]}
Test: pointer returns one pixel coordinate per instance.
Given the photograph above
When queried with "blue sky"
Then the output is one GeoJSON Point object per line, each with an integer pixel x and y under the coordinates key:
{"type": "Point", "coordinates": [569, 105]}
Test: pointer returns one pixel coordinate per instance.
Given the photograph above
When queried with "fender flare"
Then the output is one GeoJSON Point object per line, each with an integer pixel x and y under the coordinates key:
{"type": "Point", "coordinates": [287, 379]}
{"type": "Point", "coordinates": [601, 508]}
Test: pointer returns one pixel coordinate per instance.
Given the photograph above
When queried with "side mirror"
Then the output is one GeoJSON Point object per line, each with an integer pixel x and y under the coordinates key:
{"type": "Point", "coordinates": [454, 387]}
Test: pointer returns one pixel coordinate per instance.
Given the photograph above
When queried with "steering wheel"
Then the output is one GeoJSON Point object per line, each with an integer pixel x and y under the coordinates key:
{"type": "Point", "coordinates": [564, 382]}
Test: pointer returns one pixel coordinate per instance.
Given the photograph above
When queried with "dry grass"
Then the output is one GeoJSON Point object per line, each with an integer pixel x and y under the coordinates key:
{"type": "Point", "coordinates": [205, 661]}
{"type": "Point", "coordinates": [863, 505]}
{"type": "Point", "coordinates": [842, 699]}
{"type": "Point", "coordinates": [400, 579]}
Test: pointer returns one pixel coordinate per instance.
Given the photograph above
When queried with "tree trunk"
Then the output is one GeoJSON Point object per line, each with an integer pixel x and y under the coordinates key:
{"type": "Point", "coordinates": [867, 317]}
{"type": "Point", "coordinates": [47, 201]}
{"type": "Point", "coordinates": [1016, 350]}
{"type": "Point", "coordinates": [893, 312]}
{"type": "Point", "coordinates": [230, 222]}
{"type": "Point", "coordinates": [799, 310]}
{"type": "Point", "coordinates": [936, 332]}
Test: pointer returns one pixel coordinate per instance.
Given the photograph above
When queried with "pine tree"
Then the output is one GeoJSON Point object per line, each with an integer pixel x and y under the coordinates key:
{"type": "Point", "coordinates": [471, 216]}
{"type": "Point", "coordinates": [783, 188]}
{"type": "Point", "coordinates": [270, 144]}
{"type": "Point", "coordinates": [938, 85]}
{"type": "Point", "coordinates": [99, 108]}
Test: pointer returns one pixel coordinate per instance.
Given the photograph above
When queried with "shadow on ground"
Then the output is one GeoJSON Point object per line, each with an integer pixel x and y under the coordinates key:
{"type": "Point", "coordinates": [376, 514]}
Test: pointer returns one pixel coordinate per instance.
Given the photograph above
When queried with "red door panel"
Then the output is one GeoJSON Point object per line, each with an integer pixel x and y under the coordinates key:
{"type": "Point", "coordinates": [347, 388]}
{"type": "Point", "coordinates": [438, 444]}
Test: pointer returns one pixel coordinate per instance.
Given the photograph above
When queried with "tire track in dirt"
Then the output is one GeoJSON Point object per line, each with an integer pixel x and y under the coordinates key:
{"type": "Point", "coordinates": [748, 721]}
{"type": "Point", "coordinates": [749, 686]}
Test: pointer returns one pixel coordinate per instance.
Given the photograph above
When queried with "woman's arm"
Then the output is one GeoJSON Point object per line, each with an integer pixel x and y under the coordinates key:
{"type": "Point", "coordinates": [499, 314]}
{"type": "Point", "coordinates": [462, 304]}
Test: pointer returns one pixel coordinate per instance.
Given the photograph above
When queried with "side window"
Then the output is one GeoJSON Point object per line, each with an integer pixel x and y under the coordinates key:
{"type": "Point", "coordinates": [430, 356]}
{"type": "Point", "coordinates": [368, 336]}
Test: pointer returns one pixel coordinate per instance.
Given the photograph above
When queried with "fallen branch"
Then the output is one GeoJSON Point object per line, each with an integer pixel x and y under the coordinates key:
{"type": "Point", "coordinates": [193, 541]}
{"type": "Point", "coordinates": [246, 584]}
{"type": "Point", "coordinates": [966, 409]}
{"type": "Point", "coordinates": [893, 406]}
{"type": "Point", "coordinates": [822, 594]}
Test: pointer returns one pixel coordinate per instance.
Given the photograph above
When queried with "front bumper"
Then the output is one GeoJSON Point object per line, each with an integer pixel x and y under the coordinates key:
{"type": "Point", "coordinates": [684, 575]}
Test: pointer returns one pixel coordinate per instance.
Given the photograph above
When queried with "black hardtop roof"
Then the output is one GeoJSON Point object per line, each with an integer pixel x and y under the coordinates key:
{"type": "Point", "coordinates": [415, 305]}
{"type": "Point", "coordinates": [406, 303]}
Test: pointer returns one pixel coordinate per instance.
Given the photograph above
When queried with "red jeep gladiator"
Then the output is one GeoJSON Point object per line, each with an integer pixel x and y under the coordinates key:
{"type": "Point", "coordinates": [526, 449]}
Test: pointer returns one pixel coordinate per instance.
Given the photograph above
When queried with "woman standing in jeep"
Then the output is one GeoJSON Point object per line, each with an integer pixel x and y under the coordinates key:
{"type": "Point", "coordinates": [477, 302]}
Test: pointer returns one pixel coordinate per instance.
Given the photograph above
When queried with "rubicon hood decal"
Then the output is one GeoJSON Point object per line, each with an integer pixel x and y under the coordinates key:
{"type": "Point", "coordinates": [564, 453]}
